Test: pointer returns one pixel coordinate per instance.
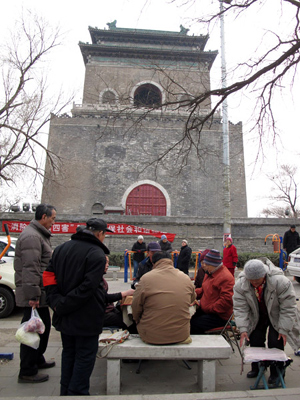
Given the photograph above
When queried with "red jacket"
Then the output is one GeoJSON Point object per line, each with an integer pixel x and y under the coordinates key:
{"type": "Point", "coordinates": [216, 293]}
{"type": "Point", "coordinates": [230, 256]}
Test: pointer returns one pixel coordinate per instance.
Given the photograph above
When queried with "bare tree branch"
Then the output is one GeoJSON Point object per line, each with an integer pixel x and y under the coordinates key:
{"type": "Point", "coordinates": [25, 109]}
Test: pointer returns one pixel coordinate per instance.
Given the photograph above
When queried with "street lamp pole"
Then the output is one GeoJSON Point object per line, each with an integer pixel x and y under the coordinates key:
{"type": "Point", "coordinates": [226, 162]}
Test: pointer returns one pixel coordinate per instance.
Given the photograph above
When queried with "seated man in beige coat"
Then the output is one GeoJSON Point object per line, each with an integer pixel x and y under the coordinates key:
{"type": "Point", "coordinates": [161, 303]}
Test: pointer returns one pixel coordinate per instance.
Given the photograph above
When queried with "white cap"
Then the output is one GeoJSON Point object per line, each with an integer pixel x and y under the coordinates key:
{"type": "Point", "coordinates": [140, 237]}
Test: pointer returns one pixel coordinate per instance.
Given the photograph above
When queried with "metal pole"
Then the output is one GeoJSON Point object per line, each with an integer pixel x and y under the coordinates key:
{"type": "Point", "coordinates": [226, 162]}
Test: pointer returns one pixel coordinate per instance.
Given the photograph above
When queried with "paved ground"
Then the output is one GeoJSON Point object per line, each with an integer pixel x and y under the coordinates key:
{"type": "Point", "coordinates": [157, 380]}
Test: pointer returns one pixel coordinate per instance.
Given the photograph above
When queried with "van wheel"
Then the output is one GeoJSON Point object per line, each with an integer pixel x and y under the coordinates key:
{"type": "Point", "coordinates": [7, 302]}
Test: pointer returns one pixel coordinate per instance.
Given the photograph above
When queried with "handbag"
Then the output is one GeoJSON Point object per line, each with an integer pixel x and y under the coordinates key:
{"type": "Point", "coordinates": [109, 341]}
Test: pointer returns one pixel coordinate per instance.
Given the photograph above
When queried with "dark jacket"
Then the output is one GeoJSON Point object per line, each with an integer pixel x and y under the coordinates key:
{"type": "Point", "coordinates": [110, 298]}
{"type": "Point", "coordinates": [74, 285]}
{"type": "Point", "coordinates": [144, 267]}
{"type": "Point", "coordinates": [140, 249]}
{"type": "Point", "coordinates": [33, 252]}
{"type": "Point", "coordinates": [291, 241]}
{"type": "Point", "coordinates": [183, 261]}
{"type": "Point", "coordinates": [165, 246]}
{"type": "Point", "coordinates": [199, 278]}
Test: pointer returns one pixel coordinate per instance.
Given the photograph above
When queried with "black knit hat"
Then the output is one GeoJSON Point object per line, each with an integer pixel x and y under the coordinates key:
{"type": "Point", "coordinates": [213, 258]}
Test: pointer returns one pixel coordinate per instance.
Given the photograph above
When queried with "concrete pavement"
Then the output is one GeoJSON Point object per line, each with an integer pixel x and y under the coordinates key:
{"type": "Point", "coordinates": [163, 380]}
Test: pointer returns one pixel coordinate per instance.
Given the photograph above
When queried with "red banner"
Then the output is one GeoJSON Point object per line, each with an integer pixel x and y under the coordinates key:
{"type": "Point", "coordinates": [70, 227]}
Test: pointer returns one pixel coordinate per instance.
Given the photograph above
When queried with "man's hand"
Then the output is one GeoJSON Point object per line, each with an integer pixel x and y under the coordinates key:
{"type": "Point", "coordinates": [283, 338]}
{"type": "Point", "coordinates": [34, 303]}
{"type": "Point", "coordinates": [128, 292]}
{"type": "Point", "coordinates": [244, 336]}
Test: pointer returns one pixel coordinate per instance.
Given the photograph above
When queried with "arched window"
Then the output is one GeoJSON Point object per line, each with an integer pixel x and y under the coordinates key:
{"type": "Point", "coordinates": [147, 95]}
{"type": "Point", "coordinates": [146, 200]}
{"type": "Point", "coordinates": [97, 208]}
{"type": "Point", "coordinates": [109, 97]}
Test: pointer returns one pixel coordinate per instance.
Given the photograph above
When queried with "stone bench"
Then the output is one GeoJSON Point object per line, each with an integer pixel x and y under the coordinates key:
{"type": "Point", "coordinates": [206, 349]}
{"type": "Point", "coordinates": [114, 271]}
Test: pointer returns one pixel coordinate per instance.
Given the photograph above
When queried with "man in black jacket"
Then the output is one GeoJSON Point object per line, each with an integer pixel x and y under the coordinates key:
{"type": "Point", "coordinates": [146, 265]}
{"type": "Point", "coordinates": [165, 245]}
{"type": "Point", "coordinates": [73, 283]}
{"type": "Point", "coordinates": [184, 258]}
{"type": "Point", "coordinates": [139, 247]}
{"type": "Point", "coordinates": [291, 240]}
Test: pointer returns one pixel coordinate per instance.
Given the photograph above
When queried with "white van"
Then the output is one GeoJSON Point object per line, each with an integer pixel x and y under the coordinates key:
{"type": "Point", "coordinates": [7, 283]}
{"type": "Point", "coordinates": [294, 264]}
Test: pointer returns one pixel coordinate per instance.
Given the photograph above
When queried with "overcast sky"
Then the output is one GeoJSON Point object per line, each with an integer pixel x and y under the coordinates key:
{"type": "Point", "coordinates": [66, 67]}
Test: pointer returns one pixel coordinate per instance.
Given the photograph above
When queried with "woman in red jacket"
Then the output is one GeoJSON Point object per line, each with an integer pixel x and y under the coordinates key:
{"type": "Point", "coordinates": [230, 257]}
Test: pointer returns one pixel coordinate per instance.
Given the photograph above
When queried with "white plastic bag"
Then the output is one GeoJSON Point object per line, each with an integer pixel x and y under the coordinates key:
{"type": "Point", "coordinates": [34, 324]}
{"type": "Point", "coordinates": [31, 339]}
{"type": "Point", "coordinates": [28, 333]}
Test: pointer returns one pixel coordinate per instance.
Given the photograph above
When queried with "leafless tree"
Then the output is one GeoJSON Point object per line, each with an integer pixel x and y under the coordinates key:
{"type": "Point", "coordinates": [25, 109]}
{"type": "Point", "coordinates": [272, 68]}
{"type": "Point", "coordinates": [285, 192]}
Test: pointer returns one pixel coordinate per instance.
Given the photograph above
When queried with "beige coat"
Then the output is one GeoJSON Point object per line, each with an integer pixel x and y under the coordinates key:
{"type": "Point", "coordinates": [32, 255]}
{"type": "Point", "coordinates": [161, 304]}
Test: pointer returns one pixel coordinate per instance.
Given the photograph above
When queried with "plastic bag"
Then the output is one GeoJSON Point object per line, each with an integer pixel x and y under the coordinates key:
{"type": "Point", "coordinates": [28, 333]}
{"type": "Point", "coordinates": [35, 324]}
{"type": "Point", "coordinates": [31, 339]}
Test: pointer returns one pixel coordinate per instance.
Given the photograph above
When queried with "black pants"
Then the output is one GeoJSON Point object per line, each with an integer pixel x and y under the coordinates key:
{"type": "Point", "coordinates": [77, 364]}
{"type": "Point", "coordinates": [258, 339]}
{"type": "Point", "coordinates": [114, 318]}
{"type": "Point", "coordinates": [30, 358]}
{"type": "Point", "coordinates": [201, 322]}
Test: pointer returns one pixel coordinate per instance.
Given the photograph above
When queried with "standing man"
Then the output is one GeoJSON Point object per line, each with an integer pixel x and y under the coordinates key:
{"type": "Point", "coordinates": [32, 255]}
{"type": "Point", "coordinates": [139, 247]}
{"type": "Point", "coordinates": [184, 258]}
{"type": "Point", "coordinates": [230, 257]}
{"type": "Point", "coordinates": [161, 303]}
{"type": "Point", "coordinates": [264, 304]}
{"type": "Point", "coordinates": [165, 245]}
{"type": "Point", "coordinates": [74, 287]}
{"type": "Point", "coordinates": [146, 265]}
{"type": "Point", "coordinates": [291, 240]}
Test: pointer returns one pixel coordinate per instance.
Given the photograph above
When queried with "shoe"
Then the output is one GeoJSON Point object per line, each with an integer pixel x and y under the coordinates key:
{"type": "Point", "coordinates": [49, 364]}
{"type": "Point", "coordinates": [129, 360]}
{"type": "Point", "coordinates": [252, 374]}
{"type": "Point", "coordinates": [272, 379]}
{"type": "Point", "coordinates": [37, 378]}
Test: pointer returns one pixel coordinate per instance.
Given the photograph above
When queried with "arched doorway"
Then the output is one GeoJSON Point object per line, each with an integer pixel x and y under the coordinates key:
{"type": "Point", "coordinates": [146, 200]}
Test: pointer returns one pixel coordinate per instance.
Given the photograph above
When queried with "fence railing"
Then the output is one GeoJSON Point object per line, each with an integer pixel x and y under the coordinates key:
{"type": "Point", "coordinates": [128, 263]}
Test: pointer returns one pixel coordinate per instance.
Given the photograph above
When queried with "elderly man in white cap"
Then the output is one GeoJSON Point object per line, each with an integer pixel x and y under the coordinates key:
{"type": "Point", "coordinates": [264, 298]}
{"type": "Point", "coordinates": [139, 247]}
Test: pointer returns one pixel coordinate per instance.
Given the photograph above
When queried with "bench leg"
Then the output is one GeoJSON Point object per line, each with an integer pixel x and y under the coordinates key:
{"type": "Point", "coordinates": [207, 375]}
{"type": "Point", "coordinates": [113, 377]}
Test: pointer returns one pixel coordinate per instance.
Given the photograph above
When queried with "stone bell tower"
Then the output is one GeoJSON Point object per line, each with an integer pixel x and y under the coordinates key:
{"type": "Point", "coordinates": [130, 119]}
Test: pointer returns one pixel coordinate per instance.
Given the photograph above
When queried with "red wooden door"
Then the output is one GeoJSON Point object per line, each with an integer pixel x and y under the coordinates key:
{"type": "Point", "coordinates": [146, 200]}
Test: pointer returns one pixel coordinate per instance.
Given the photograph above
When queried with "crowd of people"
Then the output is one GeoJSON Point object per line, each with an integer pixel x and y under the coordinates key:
{"type": "Point", "coordinates": [167, 306]}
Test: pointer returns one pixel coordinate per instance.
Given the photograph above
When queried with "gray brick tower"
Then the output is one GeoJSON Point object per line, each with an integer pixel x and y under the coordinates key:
{"type": "Point", "coordinates": [110, 147]}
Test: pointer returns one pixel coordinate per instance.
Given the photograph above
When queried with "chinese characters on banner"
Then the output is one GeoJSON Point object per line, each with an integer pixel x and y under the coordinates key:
{"type": "Point", "coordinates": [70, 227]}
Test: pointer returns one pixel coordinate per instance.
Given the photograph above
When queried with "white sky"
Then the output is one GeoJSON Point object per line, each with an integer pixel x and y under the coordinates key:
{"type": "Point", "coordinates": [242, 39]}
